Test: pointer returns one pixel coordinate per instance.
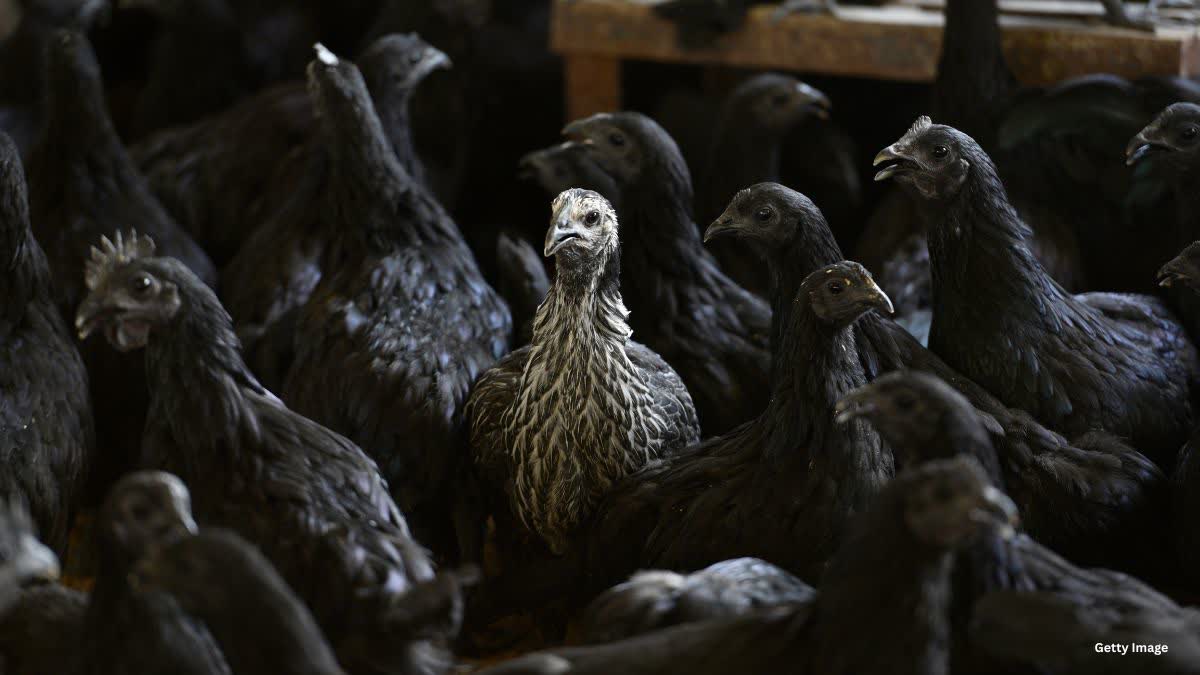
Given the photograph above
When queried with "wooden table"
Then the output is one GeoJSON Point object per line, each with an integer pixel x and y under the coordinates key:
{"type": "Point", "coordinates": [1044, 41]}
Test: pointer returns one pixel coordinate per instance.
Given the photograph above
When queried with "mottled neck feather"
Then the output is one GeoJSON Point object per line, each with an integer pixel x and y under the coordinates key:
{"type": "Point", "coordinates": [587, 297]}
{"type": "Point", "coordinates": [980, 255]}
{"type": "Point", "coordinates": [880, 558]}
{"type": "Point", "coordinates": [973, 75]}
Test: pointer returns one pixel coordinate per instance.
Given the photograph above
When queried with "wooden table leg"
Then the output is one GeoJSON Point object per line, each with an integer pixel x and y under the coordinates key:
{"type": "Point", "coordinates": [593, 84]}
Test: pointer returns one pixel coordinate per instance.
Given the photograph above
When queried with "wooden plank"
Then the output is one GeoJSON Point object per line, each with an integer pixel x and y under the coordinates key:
{"type": "Point", "coordinates": [893, 42]}
{"type": "Point", "coordinates": [593, 84]}
{"type": "Point", "coordinates": [1076, 9]}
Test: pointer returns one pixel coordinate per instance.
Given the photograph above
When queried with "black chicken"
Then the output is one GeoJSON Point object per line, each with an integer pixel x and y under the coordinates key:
{"type": "Point", "coordinates": [119, 629]}
{"type": "Point", "coordinates": [792, 236]}
{"type": "Point", "coordinates": [712, 331]}
{"type": "Point", "coordinates": [401, 323]}
{"type": "Point", "coordinates": [554, 424]}
{"type": "Point", "coordinates": [261, 626]}
{"type": "Point", "coordinates": [22, 557]}
{"type": "Point", "coordinates": [655, 599]}
{"type": "Point", "coordinates": [1093, 507]}
{"type": "Point", "coordinates": [1184, 271]}
{"type": "Point", "coordinates": [282, 261]}
{"type": "Point", "coordinates": [83, 185]}
{"type": "Point", "coordinates": [1119, 363]}
{"type": "Point", "coordinates": [221, 177]}
{"type": "Point", "coordinates": [791, 475]}
{"type": "Point", "coordinates": [522, 282]}
{"type": "Point", "coordinates": [746, 148]}
{"type": "Point", "coordinates": [47, 440]}
{"type": "Point", "coordinates": [23, 61]}
{"type": "Point", "coordinates": [900, 548]}
{"type": "Point", "coordinates": [308, 497]}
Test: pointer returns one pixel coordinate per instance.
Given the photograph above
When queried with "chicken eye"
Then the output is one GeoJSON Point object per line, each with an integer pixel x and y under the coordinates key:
{"type": "Point", "coordinates": [141, 284]}
{"type": "Point", "coordinates": [940, 151]}
{"type": "Point", "coordinates": [836, 288]}
{"type": "Point", "coordinates": [591, 218]}
{"type": "Point", "coordinates": [763, 215]}
{"type": "Point", "coordinates": [414, 59]}
{"type": "Point", "coordinates": [616, 140]}
{"type": "Point", "coordinates": [780, 100]}
{"type": "Point", "coordinates": [905, 402]}
{"type": "Point", "coordinates": [1190, 132]}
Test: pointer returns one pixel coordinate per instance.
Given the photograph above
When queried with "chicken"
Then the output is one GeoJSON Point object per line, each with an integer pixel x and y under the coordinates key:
{"type": "Point", "coordinates": [555, 424]}
{"type": "Point", "coordinates": [278, 267]}
{"type": "Point", "coordinates": [83, 185]}
{"type": "Point", "coordinates": [119, 628]}
{"type": "Point", "coordinates": [1184, 271]}
{"type": "Point", "coordinates": [713, 332]}
{"type": "Point", "coordinates": [656, 599]}
{"type": "Point", "coordinates": [746, 148]}
{"type": "Point", "coordinates": [1118, 363]}
{"type": "Point", "coordinates": [900, 548]}
{"type": "Point", "coordinates": [261, 625]}
{"type": "Point", "coordinates": [24, 558]}
{"type": "Point", "coordinates": [23, 61]}
{"type": "Point", "coordinates": [221, 176]}
{"type": "Point", "coordinates": [47, 437]}
{"type": "Point", "coordinates": [566, 165]}
{"type": "Point", "coordinates": [1093, 507]}
{"type": "Point", "coordinates": [790, 234]}
{"type": "Point", "coordinates": [791, 475]}
{"type": "Point", "coordinates": [401, 325]}
{"type": "Point", "coordinates": [309, 498]}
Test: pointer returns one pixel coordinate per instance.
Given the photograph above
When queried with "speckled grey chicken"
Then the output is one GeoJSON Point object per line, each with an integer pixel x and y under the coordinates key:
{"type": "Point", "coordinates": [746, 149]}
{"type": "Point", "coordinates": [655, 599]}
{"type": "Point", "coordinates": [281, 263]}
{"type": "Point", "coordinates": [1118, 363]}
{"type": "Point", "coordinates": [901, 548]}
{"type": "Point", "coordinates": [119, 628]}
{"type": "Point", "coordinates": [791, 235]}
{"type": "Point", "coordinates": [713, 332]}
{"type": "Point", "coordinates": [83, 185]}
{"type": "Point", "coordinates": [261, 625]}
{"type": "Point", "coordinates": [218, 176]}
{"type": "Point", "coordinates": [47, 439]}
{"type": "Point", "coordinates": [554, 424]}
{"type": "Point", "coordinates": [401, 323]}
{"type": "Point", "coordinates": [308, 497]}
{"type": "Point", "coordinates": [791, 475]}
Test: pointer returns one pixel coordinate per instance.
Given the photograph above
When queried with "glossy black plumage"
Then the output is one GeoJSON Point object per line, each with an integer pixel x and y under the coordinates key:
{"type": "Point", "coordinates": [309, 498]}
{"type": "Point", "coordinates": [713, 332]}
{"type": "Point", "coordinates": [791, 475]}
{"type": "Point", "coordinates": [47, 438]}
{"type": "Point", "coordinates": [304, 207]}
{"type": "Point", "coordinates": [655, 599]}
{"type": "Point", "coordinates": [900, 548]}
{"type": "Point", "coordinates": [746, 148]}
{"type": "Point", "coordinates": [794, 240]}
{"type": "Point", "coordinates": [522, 282]}
{"type": "Point", "coordinates": [401, 323]}
{"type": "Point", "coordinates": [1116, 363]}
{"type": "Point", "coordinates": [261, 626]}
{"type": "Point", "coordinates": [83, 185]}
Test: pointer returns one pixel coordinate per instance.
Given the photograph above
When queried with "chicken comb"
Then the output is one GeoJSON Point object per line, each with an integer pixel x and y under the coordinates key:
{"type": "Point", "coordinates": [923, 122]}
{"type": "Point", "coordinates": [114, 252]}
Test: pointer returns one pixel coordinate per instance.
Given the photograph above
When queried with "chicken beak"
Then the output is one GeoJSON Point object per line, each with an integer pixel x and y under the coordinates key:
{"type": "Point", "coordinates": [559, 236]}
{"type": "Point", "coordinates": [36, 561]}
{"type": "Point", "coordinates": [855, 405]}
{"type": "Point", "coordinates": [889, 154]}
{"type": "Point", "coordinates": [996, 510]}
{"type": "Point", "coordinates": [721, 227]}
{"type": "Point", "coordinates": [435, 59]}
{"type": "Point", "coordinates": [1171, 272]}
{"type": "Point", "coordinates": [816, 99]}
{"type": "Point", "coordinates": [88, 317]}
{"type": "Point", "coordinates": [1140, 146]}
{"type": "Point", "coordinates": [875, 297]}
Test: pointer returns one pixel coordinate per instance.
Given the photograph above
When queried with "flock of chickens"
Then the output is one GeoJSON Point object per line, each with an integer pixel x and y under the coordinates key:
{"type": "Point", "coordinates": [266, 408]}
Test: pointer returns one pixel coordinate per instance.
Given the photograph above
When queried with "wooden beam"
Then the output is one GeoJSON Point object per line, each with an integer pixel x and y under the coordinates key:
{"type": "Point", "coordinates": [894, 42]}
{"type": "Point", "coordinates": [593, 84]}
